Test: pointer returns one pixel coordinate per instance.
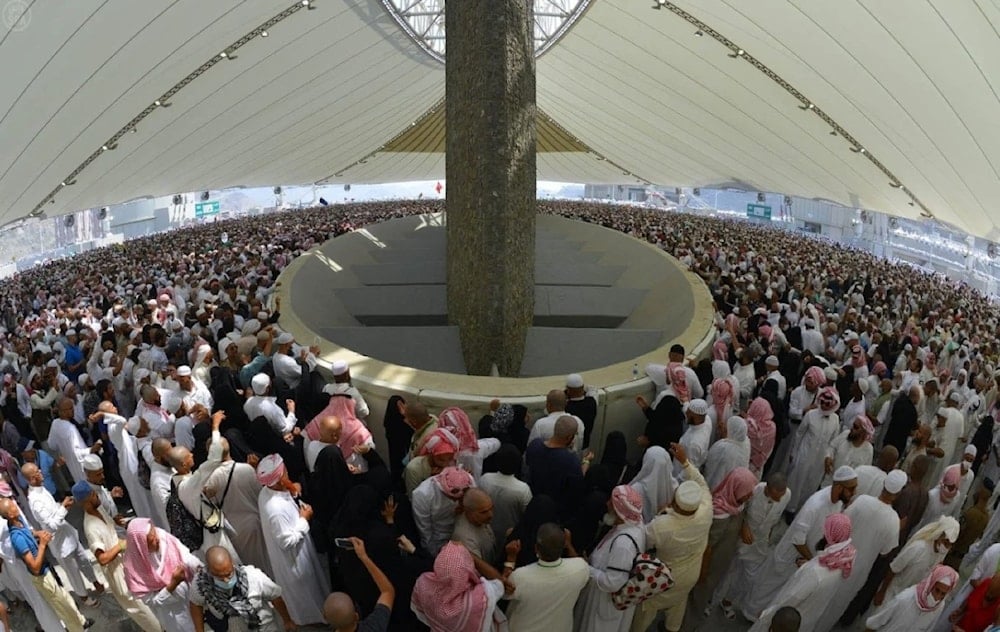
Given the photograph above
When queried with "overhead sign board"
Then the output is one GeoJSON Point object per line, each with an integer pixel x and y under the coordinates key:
{"type": "Point", "coordinates": [204, 209]}
{"type": "Point", "coordinates": [759, 211]}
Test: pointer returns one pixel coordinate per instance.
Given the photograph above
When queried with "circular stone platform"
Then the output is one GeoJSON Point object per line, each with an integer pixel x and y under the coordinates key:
{"type": "Point", "coordinates": [604, 301]}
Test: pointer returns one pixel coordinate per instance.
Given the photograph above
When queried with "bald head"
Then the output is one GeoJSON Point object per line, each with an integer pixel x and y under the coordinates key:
{"type": "Point", "coordinates": [65, 408]}
{"type": "Point", "coordinates": [180, 459]}
{"type": "Point", "coordinates": [887, 458]}
{"type": "Point", "coordinates": [416, 415]}
{"type": "Point", "coordinates": [475, 499]}
{"type": "Point", "coordinates": [565, 429]}
{"type": "Point", "coordinates": [160, 448]}
{"type": "Point", "coordinates": [549, 542]}
{"type": "Point", "coordinates": [338, 610]}
{"type": "Point", "coordinates": [8, 509]}
{"type": "Point", "coordinates": [329, 429]}
{"type": "Point", "coordinates": [555, 401]}
{"type": "Point", "coordinates": [786, 619]}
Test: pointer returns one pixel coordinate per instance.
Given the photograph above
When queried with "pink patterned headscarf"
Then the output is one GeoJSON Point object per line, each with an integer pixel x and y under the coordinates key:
{"type": "Point", "coordinates": [762, 433]}
{"type": "Point", "coordinates": [828, 400]}
{"type": "Point", "coordinates": [839, 552]}
{"type": "Point", "coordinates": [142, 575]}
{"type": "Point", "coordinates": [722, 397]}
{"type": "Point", "coordinates": [815, 375]}
{"type": "Point", "coordinates": [677, 378]}
{"type": "Point", "coordinates": [352, 431]}
{"type": "Point", "coordinates": [738, 484]}
{"type": "Point", "coordinates": [939, 574]}
{"type": "Point", "coordinates": [867, 426]}
{"type": "Point", "coordinates": [720, 350]}
{"type": "Point", "coordinates": [627, 502]}
{"type": "Point", "coordinates": [880, 369]}
{"type": "Point", "coordinates": [441, 441]}
{"type": "Point", "coordinates": [451, 598]}
{"type": "Point", "coordinates": [455, 420]}
{"type": "Point", "coordinates": [949, 483]}
{"type": "Point", "coordinates": [453, 482]}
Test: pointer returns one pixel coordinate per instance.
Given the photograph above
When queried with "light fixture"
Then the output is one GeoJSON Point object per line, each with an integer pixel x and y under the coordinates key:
{"type": "Point", "coordinates": [223, 54]}
{"type": "Point", "coordinates": [132, 131]}
{"type": "Point", "coordinates": [895, 185]}
{"type": "Point", "coordinates": [807, 106]}
{"type": "Point", "coordinates": [227, 55]}
{"type": "Point", "coordinates": [109, 147]}
{"type": "Point", "coordinates": [161, 104]}
{"type": "Point", "coordinates": [857, 150]}
{"type": "Point", "coordinates": [263, 33]}
{"type": "Point", "coordinates": [699, 33]}
{"type": "Point", "coordinates": [739, 53]}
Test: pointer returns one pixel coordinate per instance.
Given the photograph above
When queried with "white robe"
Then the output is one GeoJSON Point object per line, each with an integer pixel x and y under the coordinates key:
{"type": "Point", "coordinates": [594, 610]}
{"type": "Point", "coordinates": [812, 446]}
{"type": "Point", "coordinates": [696, 441]}
{"type": "Point", "coordinates": [871, 480]}
{"type": "Point", "coordinates": [654, 482]}
{"type": "Point", "coordinates": [846, 453]}
{"type": "Point", "coordinates": [937, 508]}
{"type": "Point", "coordinates": [985, 566]}
{"type": "Point", "coordinates": [65, 441]}
{"type": "Point", "coordinates": [65, 546]}
{"type": "Point", "coordinates": [297, 567]}
{"type": "Point", "coordinates": [172, 609]}
{"type": "Point", "coordinates": [807, 530]}
{"type": "Point", "coordinates": [948, 439]}
{"type": "Point", "coordinates": [189, 492]}
{"type": "Point", "coordinates": [911, 566]}
{"type": "Point", "coordinates": [761, 514]}
{"type": "Point", "coordinates": [877, 533]}
{"type": "Point", "coordinates": [851, 412]}
{"type": "Point", "coordinates": [128, 465]}
{"type": "Point", "coordinates": [724, 456]}
{"type": "Point", "coordinates": [808, 592]}
{"type": "Point", "coordinates": [902, 615]}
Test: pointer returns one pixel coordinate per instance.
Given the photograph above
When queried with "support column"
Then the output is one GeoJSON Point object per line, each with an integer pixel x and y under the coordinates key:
{"type": "Point", "coordinates": [490, 166]}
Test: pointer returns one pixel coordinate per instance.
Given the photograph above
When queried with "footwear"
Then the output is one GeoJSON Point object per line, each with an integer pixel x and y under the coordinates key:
{"type": "Point", "coordinates": [88, 623]}
{"type": "Point", "coordinates": [90, 602]}
{"type": "Point", "coordinates": [708, 610]}
{"type": "Point", "coordinates": [727, 611]}
{"type": "Point", "coordinates": [98, 588]}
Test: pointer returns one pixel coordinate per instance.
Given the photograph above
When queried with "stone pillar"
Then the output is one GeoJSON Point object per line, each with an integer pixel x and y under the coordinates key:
{"type": "Point", "coordinates": [490, 165]}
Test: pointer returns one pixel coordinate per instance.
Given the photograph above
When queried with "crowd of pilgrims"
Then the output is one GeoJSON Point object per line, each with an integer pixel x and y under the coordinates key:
{"type": "Point", "coordinates": [830, 463]}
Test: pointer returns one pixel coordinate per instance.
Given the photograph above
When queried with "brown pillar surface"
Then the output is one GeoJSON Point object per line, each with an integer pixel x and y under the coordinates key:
{"type": "Point", "coordinates": [490, 166]}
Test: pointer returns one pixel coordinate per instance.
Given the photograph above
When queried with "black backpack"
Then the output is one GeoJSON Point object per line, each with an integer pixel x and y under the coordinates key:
{"type": "Point", "coordinates": [183, 525]}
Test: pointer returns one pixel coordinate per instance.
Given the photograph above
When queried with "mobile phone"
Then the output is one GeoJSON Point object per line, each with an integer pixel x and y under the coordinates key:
{"type": "Point", "coordinates": [344, 543]}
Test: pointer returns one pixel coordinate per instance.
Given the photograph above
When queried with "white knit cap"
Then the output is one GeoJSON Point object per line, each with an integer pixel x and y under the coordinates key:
{"type": "Point", "coordinates": [260, 382]}
{"type": "Point", "coordinates": [844, 473]}
{"type": "Point", "coordinates": [92, 463]}
{"type": "Point", "coordinates": [688, 496]}
{"type": "Point", "coordinates": [896, 481]}
{"type": "Point", "coordinates": [698, 407]}
{"type": "Point", "coordinates": [339, 367]}
{"type": "Point", "coordinates": [574, 380]}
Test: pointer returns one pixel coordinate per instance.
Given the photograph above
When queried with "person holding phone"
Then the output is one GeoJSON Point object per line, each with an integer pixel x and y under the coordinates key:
{"type": "Point", "coordinates": [340, 609]}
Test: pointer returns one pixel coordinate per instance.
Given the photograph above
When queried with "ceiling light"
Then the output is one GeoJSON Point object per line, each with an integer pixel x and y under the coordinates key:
{"type": "Point", "coordinates": [157, 103]}
{"type": "Point", "coordinates": [63, 183]}
{"type": "Point", "coordinates": [133, 131]}
{"type": "Point", "coordinates": [263, 33]}
{"type": "Point", "coordinates": [699, 33]}
{"type": "Point", "coordinates": [223, 54]}
{"type": "Point", "coordinates": [895, 185]}
{"type": "Point", "coordinates": [161, 104]}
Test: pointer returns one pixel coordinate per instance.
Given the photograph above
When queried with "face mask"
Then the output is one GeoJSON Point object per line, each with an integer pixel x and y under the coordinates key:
{"type": "Point", "coordinates": [931, 600]}
{"type": "Point", "coordinates": [609, 519]}
{"type": "Point", "coordinates": [229, 584]}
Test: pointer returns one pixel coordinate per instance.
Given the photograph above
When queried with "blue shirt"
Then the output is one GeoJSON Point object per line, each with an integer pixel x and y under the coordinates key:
{"type": "Point", "coordinates": [23, 541]}
{"type": "Point", "coordinates": [73, 356]}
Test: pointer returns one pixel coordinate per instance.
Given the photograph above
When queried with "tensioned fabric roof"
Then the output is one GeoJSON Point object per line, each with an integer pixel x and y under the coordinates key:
{"type": "Point", "coordinates": [890, 106]}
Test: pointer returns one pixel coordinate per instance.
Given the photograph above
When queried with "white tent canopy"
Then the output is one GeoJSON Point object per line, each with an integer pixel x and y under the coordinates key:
{"type": "Point", "coordinates": [910, 90]}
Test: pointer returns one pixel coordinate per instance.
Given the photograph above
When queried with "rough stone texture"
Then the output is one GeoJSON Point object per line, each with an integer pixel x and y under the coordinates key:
{"type": "Point", "coordinates": [490, 164]}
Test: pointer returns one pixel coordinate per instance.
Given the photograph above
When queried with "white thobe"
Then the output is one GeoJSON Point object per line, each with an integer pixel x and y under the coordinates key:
{"type": "Point", "coordinates": [65, 545]}
{"type": "Point", "coordinates": [311, 450]}
{"type": "Point", "coordinates": [806, 530]}
{"type": "Point", "coordinates": [128, 465]}
{"type": "Point", "coordinates": [189, 491]}
{"type": "Point", "coordinates": [65, 441]}
{"type": "Point", "coordinates": [433, 514]}
{"type": "Point", "coordinates": [852, 411]}
{"type": "Point", "coordinates": [724, 456]}
{"type": "Point", "coordinates": [261, 591]}
{"type": "Point", "coordinates": [159, 491]}
{"type": "Point", "coordinates": [808, 592]}
{"type": "Point", "coordinates": [936, 508]}
{"type": "Point", "coordinates": [184, 432]}
{"type": "Point", "coordinates": [242, 511]}
{"type": "Point", "coordinates": [986, 566]}
{"type": "Point", "coordinates": [760, 515]}
{"type": "Point", "coordinates": [911, 566]}
{"type": "Point", "coordinates": [902, 615]}
{"type": "Point", "coordinates": [846, 453]}
{"type": "Point", "coordinates": [799, 400]}
{"type": "Point", "coordinates": [871, 480]}
{"type": "Point", "coordinates": [545, 427]}
{"type": "Point", "coordinates": [297, 567]}
{"type": "Point", "coordinates": [658, 374]}
{"type": "Point", "coordinates": [267, 407]}
{"type": "Point", "coordinates": [594, 610]}
{"type": "Point", "coordinates": [198, 394]}
{"type": "Point", "coordinates": [812, 446]}
{"type": "Point", "coordinates": [696, 441]}
{"type": "Point", "coordinates": [948, 439]}
{"type": "Point", "coordinates": [877, 534]}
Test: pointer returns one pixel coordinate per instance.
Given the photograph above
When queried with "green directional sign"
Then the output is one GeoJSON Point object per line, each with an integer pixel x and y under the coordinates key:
{"type": "Point", "coordinates": [759, 211]}
{"type": "Point", "coordinates": [204, 209]}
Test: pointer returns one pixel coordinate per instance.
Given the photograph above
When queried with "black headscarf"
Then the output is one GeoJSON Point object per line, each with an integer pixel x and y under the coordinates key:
{"type": "Point", "coordinates": [540, 510]}
{"type": "Point", "coordinates": [615, 457]}
{"type": "Point", "coordinates": [397, 434]}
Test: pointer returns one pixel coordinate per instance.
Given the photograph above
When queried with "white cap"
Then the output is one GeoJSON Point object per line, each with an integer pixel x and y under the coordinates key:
{"type": "Point", "coordinates": [260, 382]}
{"type": "Point", "coordinates": [339, 367]}
{"type": "Point", "coordinates": [82, 379]}
{"type": "Point", "coordinates": [831, 374]}
{"type": "Point", "coordinates": [285, 339]}
{"type": "Point", "coordinates": [864, 385]}
{"type": "Point", "coordinates": [574, 380]}
{"type": "Point", "coordinates": [844, 473]}
{"type": "Point", "coordinates": [698, 407]}
{"type": "Point", "coordinates": [184, 371]}
{"type": "Point", "coordinates": [771, 360]}
{"type": "Point", "coordinates": [895, 481]}
{"type": "Point", "coordinates": [688, 496]}
{"type": "Point", "coordinates": [942, 411]}
{"type": "Point", "coordinates": [92, 463]}
{"type": "Point", "coordinates": [955, 397]}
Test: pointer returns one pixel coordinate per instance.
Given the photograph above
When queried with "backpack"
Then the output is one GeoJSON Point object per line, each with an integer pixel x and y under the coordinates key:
{"type": "Point", "coordinates": [183, 525]}
{"type": "Point", "coordinates": [647, 578]}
